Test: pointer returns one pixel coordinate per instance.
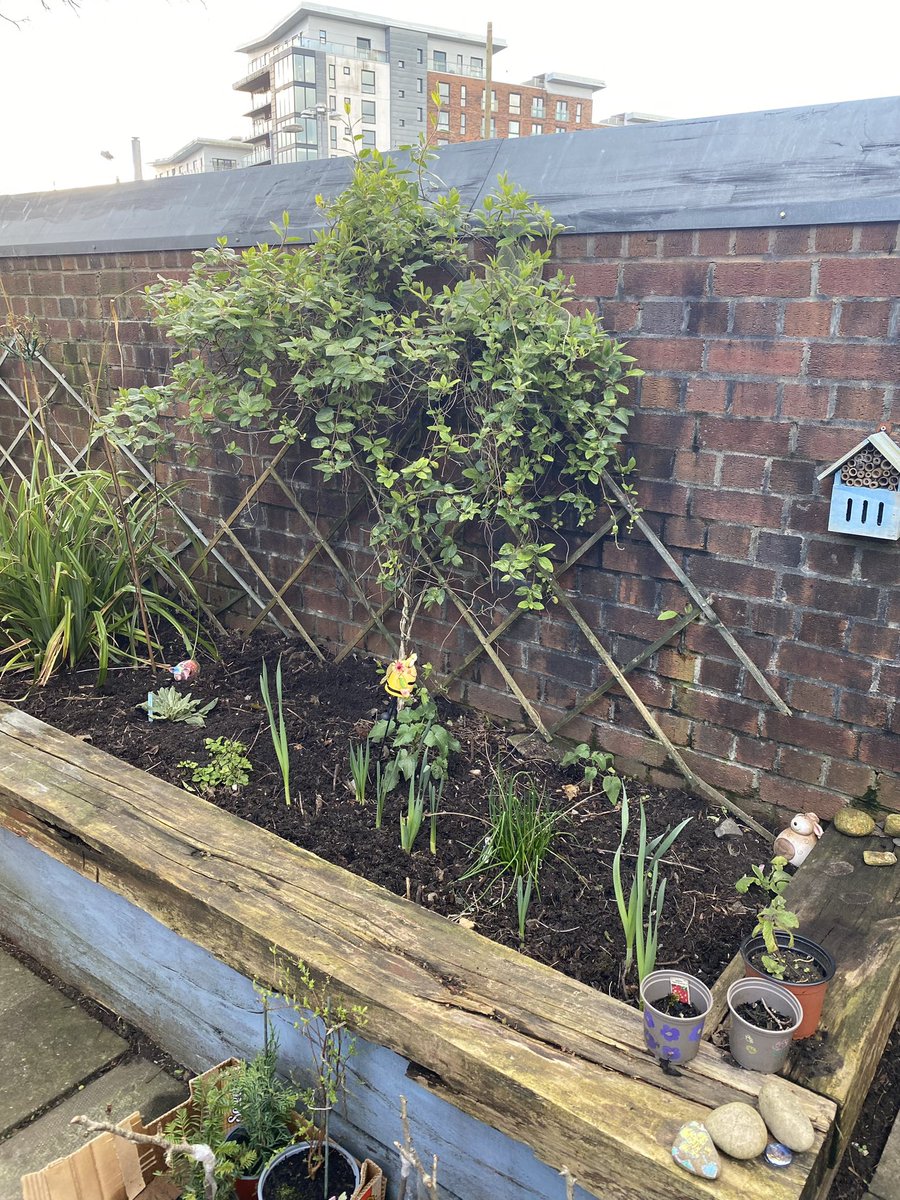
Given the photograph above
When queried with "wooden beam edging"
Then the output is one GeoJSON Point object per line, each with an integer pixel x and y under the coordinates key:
{"type": "Point", "coordinates": [540, 1057]}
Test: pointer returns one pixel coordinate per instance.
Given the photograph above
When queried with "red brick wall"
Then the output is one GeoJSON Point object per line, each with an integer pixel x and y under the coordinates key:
{"type": "Point", "coordinates": [473, 109]}
{"type": "Point", "coordinates": [768, 354]}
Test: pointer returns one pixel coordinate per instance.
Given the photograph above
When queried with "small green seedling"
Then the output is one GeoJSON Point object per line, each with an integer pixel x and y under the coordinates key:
{"type": "Point", "coordinates": [359, 770]}
{"type": "Point", "coordinates": [228, 766]}
{"type": "Point", "coordinates": [775, 917]}
{"type": "Point", "coordinates": [595, 762]}
{"type": "Point", "coordinates": [167, 704]}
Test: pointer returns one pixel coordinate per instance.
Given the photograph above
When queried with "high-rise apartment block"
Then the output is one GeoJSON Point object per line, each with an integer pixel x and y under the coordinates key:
{"type": "Point", "coordinates": [319, 62]}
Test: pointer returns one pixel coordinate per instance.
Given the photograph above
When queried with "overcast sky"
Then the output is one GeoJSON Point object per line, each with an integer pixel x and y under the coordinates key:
{"type": "Point", "coordinates": [75, 84]}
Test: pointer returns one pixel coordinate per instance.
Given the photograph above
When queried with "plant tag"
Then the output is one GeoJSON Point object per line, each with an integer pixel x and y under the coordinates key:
{"type": "Point", "coordinates": [680, 989]}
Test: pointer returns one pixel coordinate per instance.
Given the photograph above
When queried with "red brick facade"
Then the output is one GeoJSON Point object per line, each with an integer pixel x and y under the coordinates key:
{"type": "Point", "coordinates": [768, 353]}
{"type": "Point", "coordinates": [460, 115]}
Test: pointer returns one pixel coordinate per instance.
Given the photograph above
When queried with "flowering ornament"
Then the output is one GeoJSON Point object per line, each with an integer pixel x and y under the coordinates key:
{"type": "Point", "coordinates": [400, 677]}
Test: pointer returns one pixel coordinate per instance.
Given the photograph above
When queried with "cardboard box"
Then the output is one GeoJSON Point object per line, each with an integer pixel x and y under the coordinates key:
{"type": "Point", "coordinates": [110, 1168]}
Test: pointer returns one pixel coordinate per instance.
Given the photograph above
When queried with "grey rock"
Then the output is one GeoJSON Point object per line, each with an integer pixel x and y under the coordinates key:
{"type": "Point", "coordinates": [728, 828]}
{"type": "Point", "coordinates": [786, 1120]}
{"type": "Point", "coordinates": [854, 822]}
{"type": "Point", "coordinates": [738, 1130]}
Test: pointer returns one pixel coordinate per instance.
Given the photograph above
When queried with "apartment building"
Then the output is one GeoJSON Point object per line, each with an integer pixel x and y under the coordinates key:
{"type": "Point", "coordinates": [321, 63]}
{"type": "Point", "coordinates": [204, 154]}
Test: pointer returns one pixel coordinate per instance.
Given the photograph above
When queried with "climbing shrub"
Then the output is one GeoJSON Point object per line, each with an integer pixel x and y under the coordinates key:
{"type": "Point", "coordinates": [420, 351]}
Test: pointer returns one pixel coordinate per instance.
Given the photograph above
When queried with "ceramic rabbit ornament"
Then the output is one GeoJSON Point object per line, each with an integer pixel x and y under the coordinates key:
{"type": "Point", "coordinates": [795, 842]}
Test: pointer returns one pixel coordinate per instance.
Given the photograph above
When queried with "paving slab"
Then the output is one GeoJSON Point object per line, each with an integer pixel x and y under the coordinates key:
{"type": "Point", "coordinates": [126, 1088]}
{"type": "Point", "coordinates": [48, 1045]}
{"type": "Point", "coordinates": [885, 1183]}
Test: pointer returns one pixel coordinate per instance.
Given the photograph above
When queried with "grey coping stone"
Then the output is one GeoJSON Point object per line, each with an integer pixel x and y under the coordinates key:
{"type": "Point", "coordinates": [885, 1183]}
{"type": "Point", "coordinates": [126, 1088]}
{"type": "Point", "coordinates": [48, 1046]}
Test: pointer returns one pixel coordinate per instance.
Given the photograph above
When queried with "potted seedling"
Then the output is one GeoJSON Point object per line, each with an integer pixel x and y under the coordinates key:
{"type": "Point", "coordinates": [764, 1017]}
{"type": "Point", "coordinates": [774, 951]}
{"type": "Point", "coordinates": [675, 1008]}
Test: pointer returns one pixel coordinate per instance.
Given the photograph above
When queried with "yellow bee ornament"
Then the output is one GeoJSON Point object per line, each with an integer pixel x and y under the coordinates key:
{"type": "Point", "coordinates": [400, 677]}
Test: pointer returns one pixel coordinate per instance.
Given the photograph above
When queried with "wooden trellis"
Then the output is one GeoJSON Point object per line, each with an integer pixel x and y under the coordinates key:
{"type": "Point", "coordinates": [277, 609]}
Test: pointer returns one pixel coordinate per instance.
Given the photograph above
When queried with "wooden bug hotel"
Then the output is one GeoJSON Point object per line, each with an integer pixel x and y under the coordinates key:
{"type": "Point", "coordinates": [865, 499]}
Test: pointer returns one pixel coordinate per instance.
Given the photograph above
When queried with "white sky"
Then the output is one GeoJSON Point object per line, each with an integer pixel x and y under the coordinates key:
{"type": "Point", "coordinates": [73, 84]}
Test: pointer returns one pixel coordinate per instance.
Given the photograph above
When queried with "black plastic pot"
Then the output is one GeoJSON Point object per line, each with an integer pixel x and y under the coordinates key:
{"type": "Point", "coordinates": [811, 995]}
{"type": "Point", "coordinates": [266, 1180]}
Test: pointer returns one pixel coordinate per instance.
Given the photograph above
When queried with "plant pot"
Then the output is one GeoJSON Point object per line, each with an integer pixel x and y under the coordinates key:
{"type": "Point", "coordinates": [811, 995]}
{"type": "Point", "coordinates": [274, 1176]}
{"type": "Point", "coordinates": [245, 1186]}
{"type": "Point", "coordinates": [755, 1048]}
{"type": "Point", "coordinates": [672, 1038]}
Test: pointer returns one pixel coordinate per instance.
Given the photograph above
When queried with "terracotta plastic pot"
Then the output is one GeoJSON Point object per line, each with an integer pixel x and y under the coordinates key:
{"type": "Point", "coordinates": [810, 995]}
{"type": "Point", "coordinates": [755, 1048]}
{"type": "Point", "coordinates": [673, 1039]}
{"type": "Point", "coordinates": [266, 1191]}
{"type": "Point", "coordinates": [245, 1186]}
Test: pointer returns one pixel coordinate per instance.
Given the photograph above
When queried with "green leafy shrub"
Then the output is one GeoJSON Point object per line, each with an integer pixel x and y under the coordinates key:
{"type": "Point", "coordinates": [228, 766]}
{"type": "Point", "coordinates": [774, 917]}
{"type": "Point", "coordinates": [463, 397]}
{"type": "Point", "coordinates": [67, 585]}
{"type": "Point", "coordinates": [416, 731]}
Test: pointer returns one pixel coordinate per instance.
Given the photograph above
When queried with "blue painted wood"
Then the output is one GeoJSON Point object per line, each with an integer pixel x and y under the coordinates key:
{"type": "Point", "coordinates": [202, 1011]}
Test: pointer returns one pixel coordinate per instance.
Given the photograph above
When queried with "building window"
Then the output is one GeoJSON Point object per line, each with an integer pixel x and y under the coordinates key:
{"type": "Point", "coordinates": [476, 65]}
{"type": "Point", "coordinates": [420, 86]}
{"type": "Point", "coordinates": [537, 129]}
{"type": "Point", "coordinates": [420, 55]}
{"type": "Point", "coordinates": [419, 115]}
{"type": "Point", "coordinates": [561, 129]}
{"type": "Point", "coordinates": [224, 164]}
{"type": "Point", "coordinates": [294, 99]}
{"type": "Point", "coordinates": [493, 127]}
{"type": "Point", "coordinates": [537, 106]}
{"type": "Point", "coordinates": [367, 82]}
{"type": "Point", "coordinates": [332, 135]}
{"type": "Point", "coordinates": [562, 110]}
{"type": "Point", "coordinates": [368, 138]}
{"type": "Point", "coordinates": [578, 113]}
{"type": "Point", "coordinates": [439, 60]}
{"type": "Point", "coordinates": [462, 95]}
{"type": "Point", "coordinates": [368, 112]}
{"type": "Point", "coordinates": [443, 120]}
{"type": "Point", "coordinates": [401, 94]}
{"type": "Point", "coordinates": [363, 43]}
{"type": "Point", "coordinates": [513, 130]}
{"type": "Point", "coordinates": [323, 36]}
{"type": "Point", "coordinates": [332, 103]}
{"type": "Point", "coordinates": [462, 122]}
{"type": "Point", "coordinates": [444, 93]}
{"type": "Point", "coordinates": [515, 103]}
{"type": "Point", "coordinates": [346, 70]}
{"type": "Point", "coordinates": [402, 123]}
{"type": "Point", "coordinates": [332, 74]}
{"type": "Point", "coordinates": [401, 64]}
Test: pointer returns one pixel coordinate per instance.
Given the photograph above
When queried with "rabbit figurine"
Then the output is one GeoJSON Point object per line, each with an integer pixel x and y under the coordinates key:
{"type": "Point", "coordinates": [795, 842]}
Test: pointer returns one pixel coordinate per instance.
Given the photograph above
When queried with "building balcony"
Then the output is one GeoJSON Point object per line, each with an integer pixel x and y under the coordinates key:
{"type": "Point", "coordinates": [455, 69]}
{"type": "Point", "coordinates": [257, 79]}
{"type": "Point", "coordinates": [262, 108]}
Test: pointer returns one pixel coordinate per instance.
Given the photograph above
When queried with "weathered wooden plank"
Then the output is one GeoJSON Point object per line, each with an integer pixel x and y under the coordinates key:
{"type": "Point", "coordinates": [537, 1056]}
{"type": "Point", "coordinates": [854, 912]}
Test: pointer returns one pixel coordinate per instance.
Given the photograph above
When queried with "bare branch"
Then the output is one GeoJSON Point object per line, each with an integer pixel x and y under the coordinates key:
{"type": "Point", "coordinates": [196, 1150]}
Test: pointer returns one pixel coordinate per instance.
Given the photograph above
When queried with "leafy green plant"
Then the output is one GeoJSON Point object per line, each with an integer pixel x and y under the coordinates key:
{"type": "Point", "coordinates": [71, 586]}
{"type": "Point", "coordinates": [228, 766]}
{"type": "Point", "coordinates": [595, 762]}
{"type": "Point", "coordinates": [484, 404]}
{"type": "Point", "coordinates": [277, 729]}
{"type": "Point", "coordinates": [640, 911]}
{"type": "Point", "coordinates": [415, 731]}
{"type": "Point", "coordinates": [360, 762]}
{"type": "Point", "coordinates": [522, 831]}
{"type": "Point", "coordinates": [774, 917]}
{"type": "Point", "coordinates": [265, 1107]}
{"type": "Point", "coordinates": [168, 704]}
{"type": "Point", "coordinates": [422, 789]}
{"type": "Point", "coordinates": [205, 1121]}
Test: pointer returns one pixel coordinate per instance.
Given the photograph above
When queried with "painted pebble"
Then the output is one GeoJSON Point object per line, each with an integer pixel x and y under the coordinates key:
{"type": "Point", "coordinates": [738, 1130]}
{"type": "Point", "coordinates": [693, 1149]}
{"type": "Point", "coordinates": [854, 822]}
{"type": "Point", "coordinates": [787, 1122]}
{"type": "Point", "coordinates": [778, 1155]}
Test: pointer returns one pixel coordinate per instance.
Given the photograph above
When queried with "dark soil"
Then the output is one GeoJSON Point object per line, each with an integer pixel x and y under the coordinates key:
{"type": "Point", "coordinates": [290, 1180]}
{"type": "Point", "coordinates": [873, 1127]}
{"type": "Point", "coordinates": [572, 925]}
{"type": "Point", "coordinates": [673, 1007]}
{"type": "Point", "coordinates": [763, 1017]}
{"type": "Point", "coordinates": [798, 967]}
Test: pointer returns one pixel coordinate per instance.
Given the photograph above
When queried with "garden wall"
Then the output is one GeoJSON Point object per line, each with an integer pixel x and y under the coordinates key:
{"type": "Point", "coordinates": [770, 348]}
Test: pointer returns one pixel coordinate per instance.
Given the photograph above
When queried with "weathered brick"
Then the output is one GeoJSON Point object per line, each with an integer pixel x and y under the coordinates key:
{"type": "Point", "coordinates": [594, 279]}
{"type": "Point", "coordinates": [768, 438]}
{"type": "Point", "coordinates": [865, 318]}
{"type": "Point", "coordinates": [829, 596]}
{"type": "Point", "coordinates": [861, 404]}
{"type": "Point", "coordinates": [849, 778]}
{"type": "Point", "coordinates": [881, 751]}
{"type": "Point", "coordinates": [852, 360]}
{"type": "Point", "coordinates": [878, 237]}
{"type": "Point", "coordinates": [823, 736]}
{"type": "Point", "coordinates": [744, 471]}
{"type": "Point", "coordinates": [692, 466]}
{"type": "Point", "coordinates": [873, 711]}
{"type": "Point", "coordinates": [834, 239]}
{"type": "Point", "coordinates": [797, 764]}
{"type": "Point", "coordinates": [706, 395]}
{"type": "Point", "coordinates": [707, 316]}
{"type": "Point", "coordinates": [812, 698]}
{"type": "Point", "coordinates": [667, 353]}
{"type": "Point", "coordinates": [791, 240]}
{"type": "Point", "coordinates": [778, 549]}
{"type": "Point", "coordinates": [719, 710]}
{"type": "Point", "coordinates": [758, 358]}
{"type": "Point", "coordinates": [812, 662]}
{"type": "Point", "coordinates": [872, 278]}
{"type": "Point", "coordinates": [678, 243]}
{"type": "Point", "coordinates": [664, 279]}
{"type": "Point", "coordinates": [754, 399]}
{"type": "Point", "coordinates": [755, 318]}
{"type": "Point", "coordinates": [800, 797]}
{"type": "Point", "coordinates": [761, 511]}
{"type": "Point", "coordinates": [831, 558]}
{"type": "Point", "coordinates": [824, 629]}
{"type": "Point", "coordinates": [875, 641]}
{"type": "Point", "coordinates": [730, 541]}
{"type": "Point", "coordinates": [660, 392]}
{"type": "Point", "coordinates": [762, 279]}
{"type": "Point", "coordinates": [729, 777]}
{"type": "Point", "coordinates": [752, 241]}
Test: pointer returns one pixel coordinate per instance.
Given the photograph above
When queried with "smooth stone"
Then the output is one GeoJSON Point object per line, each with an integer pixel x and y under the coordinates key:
{"type": "Point", "coordinates": [693, 1149]}
{"type": "Point", "coordinates": [778, 1155]}
{"type": "Point", "coordinates": [879, 858]}
{"type": "Point", "coordinates": [892, 825]}
{"type": "Point", "coordinates": [854, 822]}
{"type": "Point", "coordinates": [728, 828]}
{"type": "Point", "coordinates": [787, 1122]}
{"type": "Point", "coordinates": [738, 1130]}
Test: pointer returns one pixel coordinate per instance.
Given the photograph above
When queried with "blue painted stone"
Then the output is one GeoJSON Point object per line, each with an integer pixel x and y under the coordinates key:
{"type": "Point", "coordinates": [778, 1155]}
{"type": "Point", "coordinates": [693, 1149]}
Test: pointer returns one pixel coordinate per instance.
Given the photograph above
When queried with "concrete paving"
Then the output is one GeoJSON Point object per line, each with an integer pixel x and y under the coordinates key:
{"type": "Point", "coordinates": [885, 1183]}
{"type": "Point", "coordinates": [49, 1050]}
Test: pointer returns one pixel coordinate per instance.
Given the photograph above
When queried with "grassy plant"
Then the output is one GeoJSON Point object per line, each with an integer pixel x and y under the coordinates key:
{"type": "Point", "coordinates": [71, 586]}
{"type": "Point", "coordinates": [360, 761]}
{"type": "Point", "coordinates": [522, 831]}
{"type": "Point", "coordinates": [435, 795]}
{"type": "Point", "coordinates": [774, 917]}
{"type": "Point", "coordinates": [167, 704]}
{"type": "Point", "coordinates": [411, 821]}
{"type": "Point", "coordinates": [277, 729]}
{"type": "Point", "coordinates": [228, 766]}
{"type": "Point", "coordinates": [640, 912]}
{"type": "Point", "coordinates": [386, 779]}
